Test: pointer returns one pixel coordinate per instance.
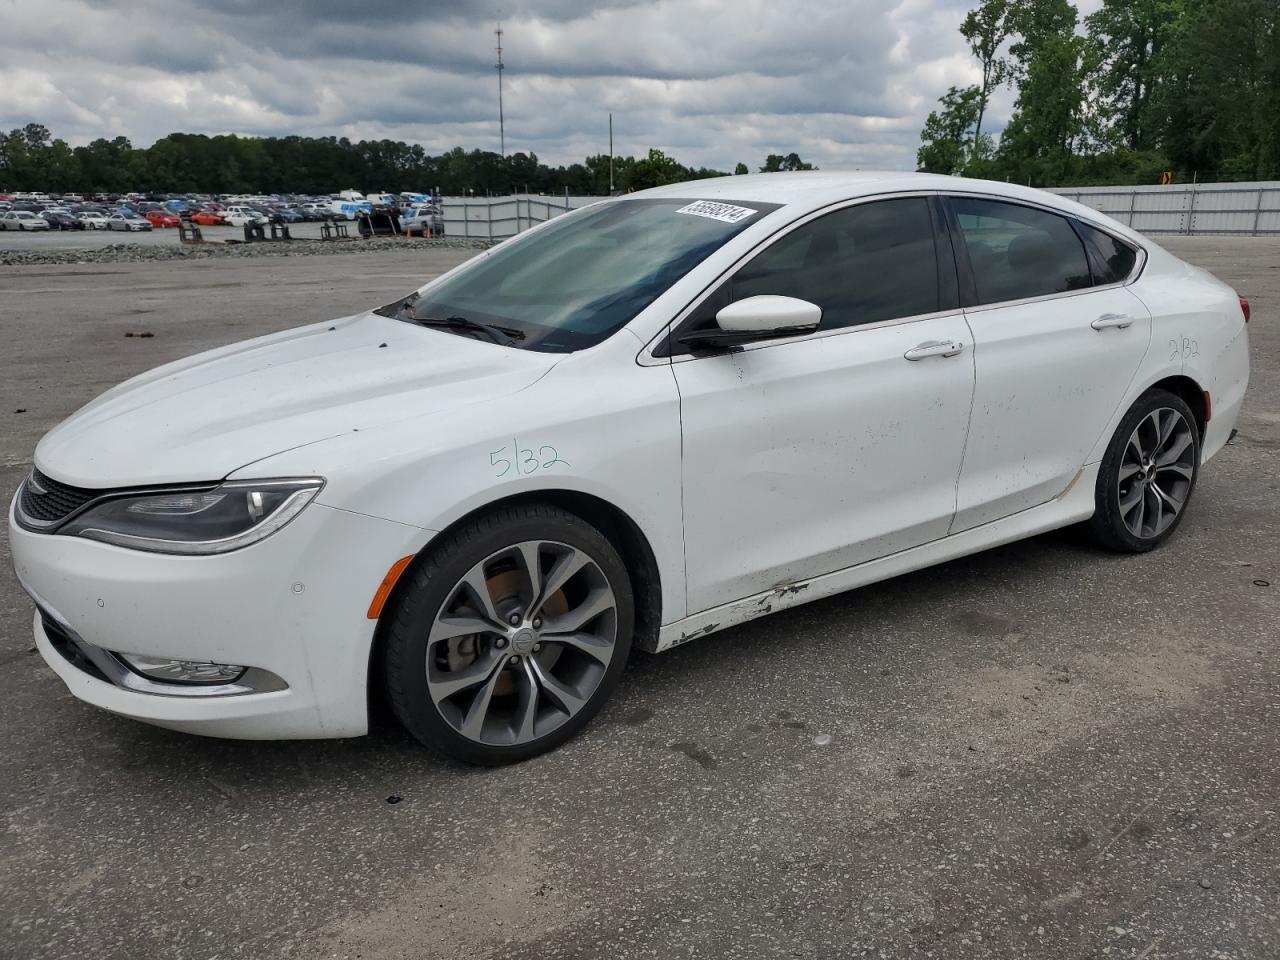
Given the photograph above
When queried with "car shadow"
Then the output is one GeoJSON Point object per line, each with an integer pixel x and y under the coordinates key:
{"type": "Point", "coordinates": [943, 594]}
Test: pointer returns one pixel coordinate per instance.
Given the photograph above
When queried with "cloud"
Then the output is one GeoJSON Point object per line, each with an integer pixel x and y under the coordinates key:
{"type": "Point", "coordinates": [846, 84]}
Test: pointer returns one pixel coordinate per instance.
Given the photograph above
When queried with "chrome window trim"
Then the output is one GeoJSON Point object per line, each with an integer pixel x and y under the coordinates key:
{"type": "Point", "coordinates": [1064, 295]}
{"type": "Point", "coordinates": [646, 358]}
{"type": "Point", "coordinates": [1139, 265]}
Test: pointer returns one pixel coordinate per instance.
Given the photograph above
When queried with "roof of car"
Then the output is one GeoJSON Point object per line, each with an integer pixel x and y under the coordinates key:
{"type": "Point", "coordinates": [806, 186]}
{"type": "Point", "coordinates": [815, 188]}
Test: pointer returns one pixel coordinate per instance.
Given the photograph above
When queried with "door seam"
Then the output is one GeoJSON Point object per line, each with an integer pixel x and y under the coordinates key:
{"type": "Point", "coordinates": [968, 430]}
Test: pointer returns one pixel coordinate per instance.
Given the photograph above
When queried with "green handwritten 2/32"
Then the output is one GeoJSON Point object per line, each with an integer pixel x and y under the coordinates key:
{"type": "Point", "coordinates": [515, 459]}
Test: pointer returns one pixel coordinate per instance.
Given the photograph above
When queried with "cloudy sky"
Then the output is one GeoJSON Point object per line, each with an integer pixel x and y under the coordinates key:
{"type": "Point", "coordinates": [846, 83]}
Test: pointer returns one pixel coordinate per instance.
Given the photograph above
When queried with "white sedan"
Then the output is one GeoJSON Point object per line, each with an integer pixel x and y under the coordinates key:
{"type": "Point", "coordinates": [23, 220]}
{"type": "Point", "coordinates": [239, 216]}
{"type": "Point", "coordinates": [635, 425]}
{"type": "Point", "coordinates": [127, 222]}
{"type": "Point", "coordinates": [93, 221]}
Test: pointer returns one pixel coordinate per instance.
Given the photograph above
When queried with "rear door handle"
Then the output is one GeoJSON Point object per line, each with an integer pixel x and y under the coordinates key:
{"type": "Point", "coordinates": [1118, 320]}
{"type": "Point", "coordinates": [934, 348]}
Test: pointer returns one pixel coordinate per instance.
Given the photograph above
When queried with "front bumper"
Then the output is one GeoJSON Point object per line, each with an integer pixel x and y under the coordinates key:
{"type": "Point", "coordinates": [292, 607]}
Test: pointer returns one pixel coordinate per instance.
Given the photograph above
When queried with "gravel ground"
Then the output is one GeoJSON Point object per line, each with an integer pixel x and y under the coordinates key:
{"type": "Point", "coordinates": [98, 246]}
{"type": "Point", "coordinates": [1043, 751]}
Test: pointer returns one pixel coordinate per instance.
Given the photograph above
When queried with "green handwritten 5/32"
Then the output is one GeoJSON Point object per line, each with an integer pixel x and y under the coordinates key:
{"type": "Point", "coordinates": [517, 460]}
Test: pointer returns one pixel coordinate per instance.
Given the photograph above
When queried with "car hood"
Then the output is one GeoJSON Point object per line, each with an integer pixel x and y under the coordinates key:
{"type": "Point", "coordinates": [205, 417]}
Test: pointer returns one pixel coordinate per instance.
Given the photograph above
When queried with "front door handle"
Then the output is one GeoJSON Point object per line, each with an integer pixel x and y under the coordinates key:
{"type": "Point", "coordinates": [934, 348]}
{"type": "Point", "coordinates": [1117, 320]}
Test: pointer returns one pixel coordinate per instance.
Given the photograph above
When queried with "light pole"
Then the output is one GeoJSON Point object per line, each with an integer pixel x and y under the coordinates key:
{"type": "Point", "coordinates": [502, 131]}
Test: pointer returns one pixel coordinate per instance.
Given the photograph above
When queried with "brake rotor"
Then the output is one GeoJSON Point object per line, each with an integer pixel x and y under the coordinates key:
{"type": "Point", "coordinates": [504, 589]}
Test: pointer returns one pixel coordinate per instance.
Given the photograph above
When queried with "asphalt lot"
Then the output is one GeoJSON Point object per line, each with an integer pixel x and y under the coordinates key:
{"type": "Point", "coordinates": [1042, 751]}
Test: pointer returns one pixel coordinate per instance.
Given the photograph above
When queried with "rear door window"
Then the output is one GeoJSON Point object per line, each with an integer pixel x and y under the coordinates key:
{"type": "Point", "coordinates": [1017, 252]}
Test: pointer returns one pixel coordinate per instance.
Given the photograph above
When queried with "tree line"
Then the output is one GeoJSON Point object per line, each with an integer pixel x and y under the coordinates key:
{"type": "Point", "coordinates": [1139, 88]}
{"type": "Point", "coordinates": [32, 160]}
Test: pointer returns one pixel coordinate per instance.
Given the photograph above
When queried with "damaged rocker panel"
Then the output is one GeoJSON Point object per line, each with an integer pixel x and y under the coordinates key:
{"type": "Point", "coordinates": [1073, 505]}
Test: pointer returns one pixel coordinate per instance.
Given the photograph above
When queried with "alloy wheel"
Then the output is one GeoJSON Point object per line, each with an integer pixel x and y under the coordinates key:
{"type": "Point", "coordinates": [1156, 472]}
{"type": "Point", "coordinates": [521, 643]}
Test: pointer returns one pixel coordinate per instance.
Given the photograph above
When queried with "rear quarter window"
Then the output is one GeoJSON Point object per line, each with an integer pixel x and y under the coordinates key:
{"type": "Point", "coordinates": [1114, 259]}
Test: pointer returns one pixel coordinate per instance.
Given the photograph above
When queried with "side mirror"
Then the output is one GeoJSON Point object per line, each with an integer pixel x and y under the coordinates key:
{"type": "Point", "coordinates": [757, 318]}
{"type": "Point", "coordinates": [769, 314]}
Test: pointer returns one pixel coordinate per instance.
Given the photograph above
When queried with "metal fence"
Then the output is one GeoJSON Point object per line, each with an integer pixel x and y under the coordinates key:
{"type": "Point", "coordinates": [496, 218]}
{"type": "Point", "coordinates": [1244, 209]}
{"type": "Point", "coordinates": [1241, 209]}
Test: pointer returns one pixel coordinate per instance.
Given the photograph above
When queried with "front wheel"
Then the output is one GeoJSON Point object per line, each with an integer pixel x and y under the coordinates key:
{"type": "Point", "coordinates": [509, 635]}
{"type": "Point", "coordinates": [1148, 474]}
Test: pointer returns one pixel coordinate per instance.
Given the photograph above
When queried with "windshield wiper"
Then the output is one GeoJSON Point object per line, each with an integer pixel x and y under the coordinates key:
{"type": "Point", "coordinates": [507, 336]}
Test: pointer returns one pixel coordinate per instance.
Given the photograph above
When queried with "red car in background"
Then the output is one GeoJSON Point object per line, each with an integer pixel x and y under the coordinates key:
{"type": "Point", "coordinates": [162, 218]}
{"type": "Point", "coordinates": [207, 218]}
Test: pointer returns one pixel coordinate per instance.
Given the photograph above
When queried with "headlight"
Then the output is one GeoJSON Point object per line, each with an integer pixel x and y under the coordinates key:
{"type": "Point", "coordinates": [227, 517]}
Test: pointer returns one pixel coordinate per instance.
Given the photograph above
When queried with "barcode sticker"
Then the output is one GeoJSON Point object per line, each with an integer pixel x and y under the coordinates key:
{"type": "Point", "coordinates": [724, 212]}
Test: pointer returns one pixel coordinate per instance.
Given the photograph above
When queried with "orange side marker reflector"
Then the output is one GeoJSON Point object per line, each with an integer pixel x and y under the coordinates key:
{"type": "Point", "coordinates": [388, 584]}
{"type": "Point", "coordinates": [1208, 407]}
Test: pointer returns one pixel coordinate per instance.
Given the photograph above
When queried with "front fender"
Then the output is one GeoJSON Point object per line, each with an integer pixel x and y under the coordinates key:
{"type": "Point", "coordinates": [593, 426]}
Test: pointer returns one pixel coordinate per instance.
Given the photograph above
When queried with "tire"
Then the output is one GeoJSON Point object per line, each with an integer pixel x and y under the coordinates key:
{"type": "Point", "coordinates": [1149, 471]}
{"type": "Point", "coordinates": [529, 676]}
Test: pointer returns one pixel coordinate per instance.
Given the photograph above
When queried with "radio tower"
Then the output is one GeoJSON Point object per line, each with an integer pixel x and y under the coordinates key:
{"type": "Point", "coordinates": [502, 130]}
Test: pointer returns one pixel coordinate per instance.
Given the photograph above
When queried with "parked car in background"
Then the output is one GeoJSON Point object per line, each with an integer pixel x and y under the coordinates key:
{"type": "Point", "coordinates": [423, 221]}
{"type": "Point", "coordinates": [347, 209]}
{"type": "Point", "coordinates": [207, 218]}
{"type": "Point", "coordinates": [23, 220]}
{"type": "Point", "coordinates": [160, 217]}
{"type": "Point", "coordinates": [238, 216]}
{"type": "Point", "coordinates": [93, 220]}
{"type": "Point", "coordinates": [127, 222]}
{"type": "Point", "coordinates": [61, 220]}
{"type": "Point", "coordinates": [314, 211]}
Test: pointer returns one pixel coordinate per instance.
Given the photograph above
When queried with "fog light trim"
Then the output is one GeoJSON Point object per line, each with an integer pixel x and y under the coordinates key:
{"type": "Point", "coordinates": [184, 672]}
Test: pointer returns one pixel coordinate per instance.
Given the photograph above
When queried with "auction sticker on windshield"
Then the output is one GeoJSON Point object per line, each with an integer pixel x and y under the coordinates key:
{"type": "Point", "coordinates": [724, 212]}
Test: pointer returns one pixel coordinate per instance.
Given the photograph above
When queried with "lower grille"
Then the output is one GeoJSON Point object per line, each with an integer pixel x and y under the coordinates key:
{"type": "Point", "coordinates": [61, 641]}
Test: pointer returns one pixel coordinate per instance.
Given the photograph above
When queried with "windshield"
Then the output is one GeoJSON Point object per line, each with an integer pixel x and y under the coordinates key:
{"type": "Point", "coordinates": [587, 273]}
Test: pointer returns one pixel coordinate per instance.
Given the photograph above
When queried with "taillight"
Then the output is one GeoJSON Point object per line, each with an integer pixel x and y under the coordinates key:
{"type": "Point", "coordinates": [1244, 308]}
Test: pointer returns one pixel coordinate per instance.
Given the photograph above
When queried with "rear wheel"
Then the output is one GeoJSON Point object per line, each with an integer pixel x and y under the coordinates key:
{"type": "Point", "coordinates": [1148, 474]}
{"type": "Point", "coordinates": [510, 635]}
